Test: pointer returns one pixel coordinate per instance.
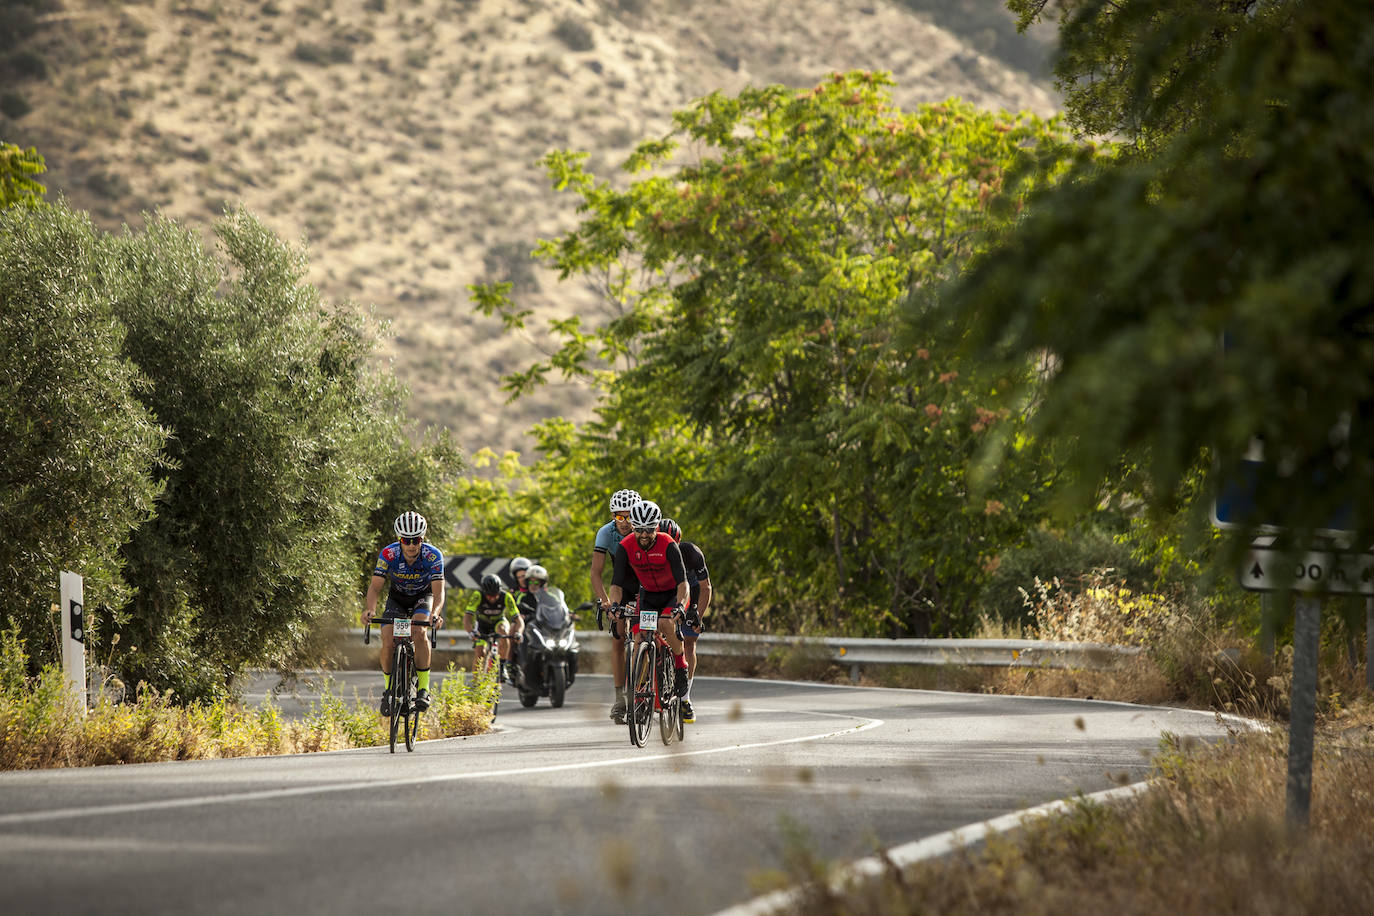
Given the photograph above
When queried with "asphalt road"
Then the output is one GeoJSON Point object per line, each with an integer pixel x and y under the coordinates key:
{"type": "Point", "coordinates": [557, 812]}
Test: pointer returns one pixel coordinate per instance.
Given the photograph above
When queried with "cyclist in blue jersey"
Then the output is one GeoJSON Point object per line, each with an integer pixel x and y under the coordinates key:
{"type": "Point", "coordinates": [699, 584]}
{"type": "Point", "coordinates": [414, 574]}
{"type": "Point", "coordinates": [607, 544]}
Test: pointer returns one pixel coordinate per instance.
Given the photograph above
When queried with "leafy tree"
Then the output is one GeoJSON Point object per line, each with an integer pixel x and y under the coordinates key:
{"type": "Point", "coordinates": [1138, 70]}
{"type": "Point", "coordinates": [766, 397]}
{"type": "Point", "coordinates": [1249, 221]}
{"type": "Point", "coordinates": [77, 448]}
{"type": "Point", "coordinates": [278, 426]}
{"type": "Point", "coordinates": [17, 168]}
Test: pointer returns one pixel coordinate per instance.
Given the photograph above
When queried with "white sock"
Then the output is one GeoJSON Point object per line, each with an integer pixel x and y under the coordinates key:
{"type": "Point", "coordinates": [688, 695]}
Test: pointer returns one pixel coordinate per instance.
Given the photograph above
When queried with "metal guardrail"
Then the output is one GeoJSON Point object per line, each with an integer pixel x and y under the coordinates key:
{"type": "Point", "coordinates": [855, 653]}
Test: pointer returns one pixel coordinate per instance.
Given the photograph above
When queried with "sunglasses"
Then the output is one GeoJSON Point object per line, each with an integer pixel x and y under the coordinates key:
{"type": "Point", "coordinates": [621, 516]}
{"type": "Point", "coordinates": [414, 540]}
{"type": "Point", "coordinates": [652, 530]}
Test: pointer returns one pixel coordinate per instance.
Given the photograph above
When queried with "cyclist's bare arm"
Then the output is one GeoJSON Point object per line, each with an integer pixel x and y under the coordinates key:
{"type": "Point", "coordinates": [436, 610]}
{"type": "Point", "coordinates": [598, 585]}
{"type": "Point", "coordinates": [374, 592]}
{"type": "Point", "coordinates": [703, 597]}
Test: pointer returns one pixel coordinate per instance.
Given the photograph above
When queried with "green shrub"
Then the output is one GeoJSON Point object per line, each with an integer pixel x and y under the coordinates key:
{"type": "Point", "coordinates": [575, 34]}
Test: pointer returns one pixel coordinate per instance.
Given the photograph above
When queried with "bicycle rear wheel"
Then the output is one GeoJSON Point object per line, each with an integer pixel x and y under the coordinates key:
{"type": "Point", "coordinates": [641, 690]}
{"type": "Point", "coordinates": [667, 713]}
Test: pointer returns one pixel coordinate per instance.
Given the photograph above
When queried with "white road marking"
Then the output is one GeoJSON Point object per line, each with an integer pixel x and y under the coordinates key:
{"type": "Point", "coordinates": [33, 817]}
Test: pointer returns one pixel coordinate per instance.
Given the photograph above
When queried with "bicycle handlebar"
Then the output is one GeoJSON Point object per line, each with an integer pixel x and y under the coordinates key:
{"type": "Point", "coordinates": [367, 629]}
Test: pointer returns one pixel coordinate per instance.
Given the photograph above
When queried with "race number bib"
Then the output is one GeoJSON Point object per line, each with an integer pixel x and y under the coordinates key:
{"type": "Point", "coordinates": [648, 620]}
{"type": "Point", "coordinates": [400, 626]}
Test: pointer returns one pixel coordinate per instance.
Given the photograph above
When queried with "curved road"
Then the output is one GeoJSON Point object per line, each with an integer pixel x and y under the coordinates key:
{"type": "Point", "coordinates": [560, 804]}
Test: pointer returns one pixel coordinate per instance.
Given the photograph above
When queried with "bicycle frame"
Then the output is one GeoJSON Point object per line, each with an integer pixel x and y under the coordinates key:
{"type": "Point", "coordinates": [404, 677]}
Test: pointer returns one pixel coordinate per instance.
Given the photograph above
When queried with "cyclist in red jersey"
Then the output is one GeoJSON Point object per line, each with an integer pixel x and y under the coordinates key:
{"type": "Point", "coordinates": [656, 561]}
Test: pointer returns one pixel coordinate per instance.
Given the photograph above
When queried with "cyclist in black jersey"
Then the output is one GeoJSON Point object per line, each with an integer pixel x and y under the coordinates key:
{"type": "Point", "coordinates": [699, 584]}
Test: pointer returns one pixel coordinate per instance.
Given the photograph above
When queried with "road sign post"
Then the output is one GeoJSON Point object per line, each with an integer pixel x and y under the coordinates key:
{"type": "Point", "coordinates": [71, 593]}
{"type": "Point", "coordinates": [1303, 710]}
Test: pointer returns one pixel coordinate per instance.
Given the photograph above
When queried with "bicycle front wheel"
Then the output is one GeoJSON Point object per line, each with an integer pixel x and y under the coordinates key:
{"type": "Point", "coordinates": [398, 692]}
{"type": "Point", "coordinates": [412, 711]}
{"type": "Point", "coordinates": [641, 690]}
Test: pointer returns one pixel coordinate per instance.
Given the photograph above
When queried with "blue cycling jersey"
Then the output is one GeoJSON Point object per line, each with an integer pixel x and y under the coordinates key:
{"type": "Point", "coordinates": [410, 581]}
{"type": "Point", "coordinates": [608, 540]}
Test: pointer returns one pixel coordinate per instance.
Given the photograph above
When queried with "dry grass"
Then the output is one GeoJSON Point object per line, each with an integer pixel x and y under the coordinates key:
{"type": "Point", "coordinates": [1209, 837]}
{"type": "Point", "coordinates": [41, 727]}
{"type": "Point", "coordinates": [402, 139]}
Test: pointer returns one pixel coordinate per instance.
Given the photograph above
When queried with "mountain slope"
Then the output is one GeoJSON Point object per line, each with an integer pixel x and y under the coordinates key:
{"type": "Point", "coordinates": [401, 138]}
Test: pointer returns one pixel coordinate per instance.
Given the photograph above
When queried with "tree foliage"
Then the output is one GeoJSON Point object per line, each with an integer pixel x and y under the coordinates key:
{"type": "Point", "coordinates": [1249, 222]}
{"type": "Point", "coordinates": [200, 434]}
{"type": "Point", "coordinates": [77, 447]}
{"type": "Point", "coordinates": [766, 394]}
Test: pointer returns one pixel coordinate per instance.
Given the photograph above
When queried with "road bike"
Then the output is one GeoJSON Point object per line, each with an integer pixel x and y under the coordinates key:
{"type": "Point", "coordinates": [650, 679]}
{"type": "Point", "coordinates": [482, 668]}
{"type": "Point", "coordinates": [405, 715]}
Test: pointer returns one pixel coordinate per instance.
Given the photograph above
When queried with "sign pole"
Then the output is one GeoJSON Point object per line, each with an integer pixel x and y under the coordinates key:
{"type": "Point", "coordinates": [1369, 644]}
{"type": "Point", "coordinates": [1303, 710]}
{"type": "Point", "coordinates": [73, 596]}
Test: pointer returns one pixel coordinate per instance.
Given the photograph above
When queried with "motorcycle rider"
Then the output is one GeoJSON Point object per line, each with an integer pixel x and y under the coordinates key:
{"type": "Point", "coordinates": [657, 563]}
{"type": "Point", "coordinates": [519, 571]}
{"type": "Point", "coordinates": [699, 584]}
{"type": "Point", "coordinates": [492, 610]}
{"type": "Point", "coordinates": [607, 544]}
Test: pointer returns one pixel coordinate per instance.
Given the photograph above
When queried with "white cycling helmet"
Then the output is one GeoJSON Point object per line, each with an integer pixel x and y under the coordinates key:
{"type": "Point", "coordinates": [518, 564]}
{"type": "Point", "coordinates": [623, 500]}
{"type": "Point", "coordinates": [537, 577]}
{"type": "Point", "coordinates": [645, 514]}
{"type": "Point", "coordinates": [410, 525]}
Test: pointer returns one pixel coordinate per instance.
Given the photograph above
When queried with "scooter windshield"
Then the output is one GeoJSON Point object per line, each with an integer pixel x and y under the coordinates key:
{"type": "Point", "coordinates": [551, 614]}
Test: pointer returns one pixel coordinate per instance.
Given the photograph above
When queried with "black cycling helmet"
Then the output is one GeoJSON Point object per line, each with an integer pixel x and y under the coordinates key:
{"type": "Point", "coordinates": [670, 528]}
{"type": "Point", "coordinates": [491, 584]}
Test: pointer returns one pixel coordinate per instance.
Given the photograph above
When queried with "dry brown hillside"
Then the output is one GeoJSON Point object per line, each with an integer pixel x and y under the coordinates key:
{"type": "Point", "coordinates": [400, 137]}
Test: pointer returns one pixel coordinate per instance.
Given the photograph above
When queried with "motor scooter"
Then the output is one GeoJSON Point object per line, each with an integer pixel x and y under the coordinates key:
{"type": "Point", "coordinates": [548, 655]}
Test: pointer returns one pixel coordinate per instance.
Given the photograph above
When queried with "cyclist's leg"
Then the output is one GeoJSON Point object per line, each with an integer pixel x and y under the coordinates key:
{"type": "Point", "coordinates": [422, 653]}
{"type": "Point", "coordinates": [689, 642]}
{"type": "Point", "coordinates": [388, 650]}
{"type": "Point", "coordinates": [667, 628]}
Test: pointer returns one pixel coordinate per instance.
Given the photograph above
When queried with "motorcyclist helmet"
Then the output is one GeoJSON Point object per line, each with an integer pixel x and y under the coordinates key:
{"type": "Point", "coordinates": [645, 514]}
{"type": "Point", "coordinates": [623, 500]}
{"type": "Point", "coordinates": [410, 525]}
{"type": "Point", "coordinates": [537, 577]}
{"type": "Point", "coordinates": [670, 528]}
{"type": "Point", "coordinates": [491, 584]}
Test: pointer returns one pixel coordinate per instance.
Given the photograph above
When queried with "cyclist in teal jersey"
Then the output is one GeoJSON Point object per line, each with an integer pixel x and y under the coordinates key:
{"type": "Point", "coordinates": [607, 544]}
{"type": "Point", "coordinates": [414, 574]}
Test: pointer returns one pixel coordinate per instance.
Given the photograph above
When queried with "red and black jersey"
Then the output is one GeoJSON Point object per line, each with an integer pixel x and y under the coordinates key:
{"type": "Point", "coordinates": [658, 569]}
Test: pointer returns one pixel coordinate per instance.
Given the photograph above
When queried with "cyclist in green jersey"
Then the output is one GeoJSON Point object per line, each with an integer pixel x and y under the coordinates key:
{"type": "Point", "coordinates": [491, 610]}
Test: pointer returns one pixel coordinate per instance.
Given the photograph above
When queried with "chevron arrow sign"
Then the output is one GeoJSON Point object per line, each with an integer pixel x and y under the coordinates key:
{"type": "Point", "coordinates": [467, 570]}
